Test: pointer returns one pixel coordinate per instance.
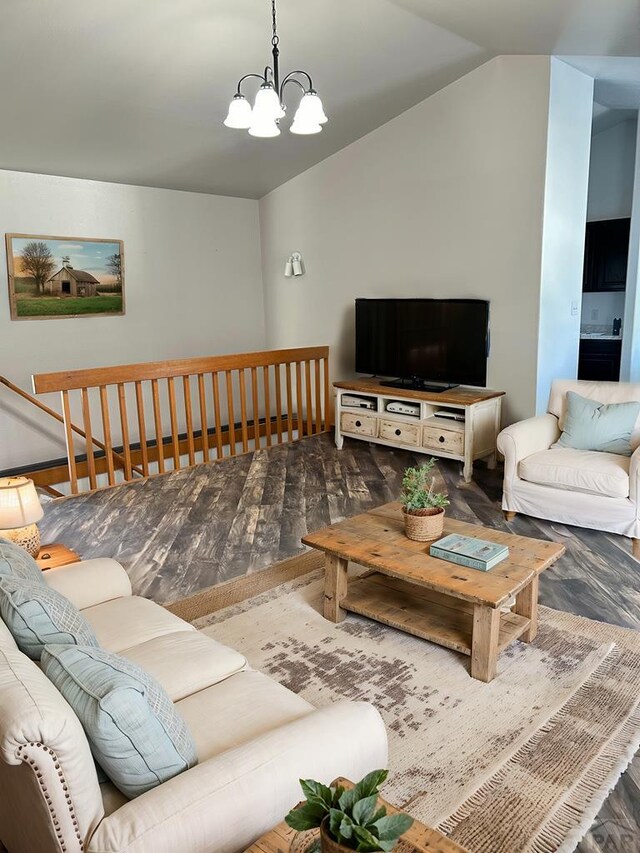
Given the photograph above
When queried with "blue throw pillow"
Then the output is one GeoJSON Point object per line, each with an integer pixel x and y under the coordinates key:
{"type": "Point", "coordinates": [590, 425]}
{"type": "Point", "coordinates": [135, 732]}
{"type": "Point", "coordinates": [16, 561]}
{"type": "Point", "coordinates": [36, 615]}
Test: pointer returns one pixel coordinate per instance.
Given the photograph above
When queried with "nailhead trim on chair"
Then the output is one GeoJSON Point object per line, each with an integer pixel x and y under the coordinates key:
{"type": "Point", "coordinates": [24, 757]}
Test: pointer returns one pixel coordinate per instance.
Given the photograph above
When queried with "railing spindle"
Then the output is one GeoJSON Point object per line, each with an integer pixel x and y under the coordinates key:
{"type": "Point", "coordinates": [231, 416]}
{"type": "Point", "coordinates": [299, 404]}
{"type": "Point", "coordinates": [255, 409]}
{"type": "Point", "coordinates": [86, 423]}
{"type": "Point", "coordinates": [204, 427]}
{"type": "Point", "coordinates": [216, 412]}
{"type": "Point", "coordinates": [106, 431]}
{"type": "Point", "coordinates": [307, 383]}
{"type": "Point", "coordinates": [318, 398]}
{"type": "Point", "coordinates": [278, 370]}
{"type": "Point", "coordinates": [124, 425]}
{"type": "Point", "coordinates": [267, 403]}
{"type": "Point", "coordinates": [243, 411]}
{"type": "Point", "coordinates": [157, 418]}
{"type": "Point", "coordinates": [73, 474]}
{"type": "Point", "coordinates": [173, 418]}
{"type": "Point", "coordinates": [327, 395]}
{"type": "Point", "coordinates": [287, 368]}
{"type": "Point", "coordinates": [186, 389]}
{"type": "Point", "coordinates": [142, 429]}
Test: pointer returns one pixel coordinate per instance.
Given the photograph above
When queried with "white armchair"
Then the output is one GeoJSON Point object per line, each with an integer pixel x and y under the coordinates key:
{"type": "Point", "coordinates": [590, 489]}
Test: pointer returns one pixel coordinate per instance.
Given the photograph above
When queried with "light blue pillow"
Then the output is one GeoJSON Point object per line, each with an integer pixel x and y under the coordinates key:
{"type": "Point", "coordinates": [590, 425]}
{"type": "Point", "coordinates": [36, 615]}
{"type": "Point", "coordinates": [16, 561]}
{"type": "Point", "coordinates": [135, 732]}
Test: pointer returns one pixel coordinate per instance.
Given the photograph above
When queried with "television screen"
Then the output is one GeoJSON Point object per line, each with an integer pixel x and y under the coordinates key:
{"type": "Point", "coordinates": [438, 340]}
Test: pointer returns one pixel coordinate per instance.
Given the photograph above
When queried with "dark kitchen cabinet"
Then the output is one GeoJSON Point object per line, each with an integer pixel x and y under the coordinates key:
{"type": "Point", "coordinates": [605, 255]}
{"type": "Point", "coordinates": [599, 360]}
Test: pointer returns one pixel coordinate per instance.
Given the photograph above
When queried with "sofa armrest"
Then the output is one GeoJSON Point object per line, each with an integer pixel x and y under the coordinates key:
{"type": "Point", "coordinates": [520, 440]}
{"type": "Point", "coordinates": [634, 480]}
{"type": "Point", "coordinates": [227, 802]}
{"type": "Point", "coordinates": [90, 582]}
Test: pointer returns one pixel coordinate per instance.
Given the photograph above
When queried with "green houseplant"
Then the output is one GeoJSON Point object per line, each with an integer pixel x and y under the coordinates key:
{"type": "Point", "coordinates": [423, 508]}
{"type": "Point", "coordinates": [349, 818]}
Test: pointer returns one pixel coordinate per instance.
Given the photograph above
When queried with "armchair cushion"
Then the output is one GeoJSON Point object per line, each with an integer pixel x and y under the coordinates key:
{"type": "Point", "coordinates": [136, 734]}
{"type": "Point", "coordinates": [90, 582]}
{"type": "Point", "coordinates": [578, 470]}
{"type": "Point", "coordinates": [590, 425]}
{"type": "Point", "coordinates": [37, 615]}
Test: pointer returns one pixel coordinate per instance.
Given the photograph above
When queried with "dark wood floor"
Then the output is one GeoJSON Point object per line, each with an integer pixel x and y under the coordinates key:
{"type": "Point", "coordinates": [179, 533]}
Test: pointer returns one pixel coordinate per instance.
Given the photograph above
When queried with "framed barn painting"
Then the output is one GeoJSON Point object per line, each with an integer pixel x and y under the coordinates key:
{"type": "Point", "coordinates": [55, 277]}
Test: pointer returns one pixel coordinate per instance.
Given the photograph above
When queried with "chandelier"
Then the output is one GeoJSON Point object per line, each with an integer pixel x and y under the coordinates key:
{"type": "Point", "coordinates": [263, 118]}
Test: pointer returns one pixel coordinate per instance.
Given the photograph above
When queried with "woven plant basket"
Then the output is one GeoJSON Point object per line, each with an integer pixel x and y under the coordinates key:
{"type": "Point", "coordinates": [423, 525]}
{"type": "Point", "coordinates": [327, 844]}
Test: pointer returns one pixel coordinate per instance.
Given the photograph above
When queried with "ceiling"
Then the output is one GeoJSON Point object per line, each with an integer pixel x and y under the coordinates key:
{"type": "Point", "coordinates": [135, 91]}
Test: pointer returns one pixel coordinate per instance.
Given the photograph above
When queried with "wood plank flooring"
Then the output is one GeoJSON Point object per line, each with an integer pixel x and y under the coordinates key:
{"type": "Point", "coordinates": [179, 533]}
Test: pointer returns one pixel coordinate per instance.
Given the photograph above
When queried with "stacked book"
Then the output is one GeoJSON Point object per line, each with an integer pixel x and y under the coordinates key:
{"type": "Point", "coordinates": [468, 551]}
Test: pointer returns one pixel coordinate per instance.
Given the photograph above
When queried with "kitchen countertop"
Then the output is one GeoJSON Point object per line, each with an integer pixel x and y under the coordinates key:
{"type": "Point", "coordinates": [596, 336]}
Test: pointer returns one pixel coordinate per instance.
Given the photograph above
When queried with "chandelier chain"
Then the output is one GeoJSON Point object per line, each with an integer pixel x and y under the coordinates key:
{"type": "Point", "coordinates": [275, 39]}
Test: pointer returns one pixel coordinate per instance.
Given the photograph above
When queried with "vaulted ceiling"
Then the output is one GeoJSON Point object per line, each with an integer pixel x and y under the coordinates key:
{"type": "Point", "coordinates": [135, 91]}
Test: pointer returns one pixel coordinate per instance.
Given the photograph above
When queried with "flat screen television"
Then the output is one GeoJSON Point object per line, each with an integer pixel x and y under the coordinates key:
{"type": "Point", "coordinates": [422, 341]}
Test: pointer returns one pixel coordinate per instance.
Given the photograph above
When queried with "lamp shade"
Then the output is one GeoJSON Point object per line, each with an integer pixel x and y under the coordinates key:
{"type": "Point", "coordinates": [239, 115]}
{"type": "Point", "coordinates": [19, 503]}
{"type": "Point", "coordinates": [310, 109]}
{"type": "Point", "coordinates": [264, 128]}
{"type": "Point", "coordinates": [267, 106]}
{"type": "Point", "coordinates": [304, 128]}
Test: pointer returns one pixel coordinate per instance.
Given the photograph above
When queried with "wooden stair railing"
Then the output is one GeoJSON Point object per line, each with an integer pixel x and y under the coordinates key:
{"type": "Point", "coordinates": [278, 396]}
{"type": "Point", "coordinates": [53, 414]}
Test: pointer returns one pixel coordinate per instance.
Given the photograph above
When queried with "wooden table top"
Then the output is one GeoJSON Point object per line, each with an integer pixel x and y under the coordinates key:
{"type": "Point", "coordinates": [377, 541]}
{"type": "Point", "coordinates": [459, 396]}
{"type": "Point", "coordinates": [418, 838]}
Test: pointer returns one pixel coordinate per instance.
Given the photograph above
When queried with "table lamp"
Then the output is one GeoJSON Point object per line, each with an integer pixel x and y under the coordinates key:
{"type": "Point", "coordinates": [19, 511]}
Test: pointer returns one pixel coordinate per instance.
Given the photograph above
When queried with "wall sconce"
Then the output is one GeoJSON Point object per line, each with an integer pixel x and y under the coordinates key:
{"type": "Point", "coordinates": [294, 265]}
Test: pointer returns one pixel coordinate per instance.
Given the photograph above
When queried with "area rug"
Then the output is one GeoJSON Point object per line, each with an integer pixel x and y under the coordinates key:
{"type": "Point", "coordinates": [521, 764]}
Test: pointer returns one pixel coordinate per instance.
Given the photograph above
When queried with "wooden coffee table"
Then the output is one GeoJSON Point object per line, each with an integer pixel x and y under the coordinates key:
{"type": "Point", "coordinates": [456, 607]}
{"type": "Point", "coordinates": [419, 838]}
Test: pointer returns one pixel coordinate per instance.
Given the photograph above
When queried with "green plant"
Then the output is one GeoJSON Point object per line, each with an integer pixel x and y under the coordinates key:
{"type": "Point", "coordinates": [352, 817]}
{"type": "Point", "coordinates": [418, 489]}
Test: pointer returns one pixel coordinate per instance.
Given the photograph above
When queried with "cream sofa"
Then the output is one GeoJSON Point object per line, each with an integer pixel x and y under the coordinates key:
{"type": "Point", "coordinates": [254, 738]}
{"type": "Point", "coordinates": [583, 488]}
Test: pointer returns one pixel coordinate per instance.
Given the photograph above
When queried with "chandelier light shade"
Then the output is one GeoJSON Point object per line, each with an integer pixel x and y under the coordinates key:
{"type": "Point", "coordinates": [263, 118]}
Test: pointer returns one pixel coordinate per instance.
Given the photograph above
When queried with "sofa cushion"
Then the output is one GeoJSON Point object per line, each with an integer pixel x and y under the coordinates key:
{"type": "Point", "coordinates": [36, 615]}
{"type": "Point", "coordinates": [134, 730]}
{"type": "Point", "coordinates": [126, 622]}
{"type": "Point", "coordinates": [578, 470]}
{"type": "Point", "coordinates": [185, 662]}
{"type": "Point", "coordinates": [590, 425]}
{"type": "Point", "coordinates": [259, 705]}
{"type": "Point", "coordinates": [16, 561]}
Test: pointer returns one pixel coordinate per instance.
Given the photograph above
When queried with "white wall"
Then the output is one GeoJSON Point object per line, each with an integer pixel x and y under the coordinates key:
{"type": "Point", "coordinates": [193, 287]}
{"type": "Point", "coordinates": [565, 210]}
{"type": "Point", "coordinates": [611, 171]}
{"type": "Point", "coordinates": [601, 308]}
{"type": "Point", "coordinates": [444, 200]}
{"type": "Point", "coordinates": [630, 361]}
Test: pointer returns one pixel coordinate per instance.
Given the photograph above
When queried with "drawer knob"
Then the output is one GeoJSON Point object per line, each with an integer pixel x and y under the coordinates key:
{"type": "Point", "coordinates": [358, 423]}
{"type": "Point", "coordinates": [441, 439]}
{"type": "Point", "coordinates": [398, 432]}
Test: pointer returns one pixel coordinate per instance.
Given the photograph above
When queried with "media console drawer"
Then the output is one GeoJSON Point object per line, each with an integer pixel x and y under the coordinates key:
{"type": "Point", "coordinates": [359, 424]}
{"type": "Point", "coordinates": [447, 440]}
{"type": "Point", "coordinates": [400, 432]}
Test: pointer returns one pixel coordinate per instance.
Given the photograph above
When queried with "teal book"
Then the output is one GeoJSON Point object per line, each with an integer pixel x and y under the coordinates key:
{"type": "Point", "coordinates": [470, 552]}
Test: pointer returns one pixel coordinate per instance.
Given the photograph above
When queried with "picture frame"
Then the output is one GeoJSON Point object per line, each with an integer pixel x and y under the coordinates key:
{"type": "Point", "coordinates": [64, 277]}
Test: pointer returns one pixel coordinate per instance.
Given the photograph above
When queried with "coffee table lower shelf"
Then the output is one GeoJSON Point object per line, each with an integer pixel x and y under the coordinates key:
{"type": "Point", "coordinates": [424, 613]}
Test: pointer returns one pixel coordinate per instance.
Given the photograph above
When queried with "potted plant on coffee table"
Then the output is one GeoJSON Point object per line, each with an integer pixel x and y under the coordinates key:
{"type": "Point", "coordinates": [422, 507]}
{"type": "Point", "coordinates": [349, 818]}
